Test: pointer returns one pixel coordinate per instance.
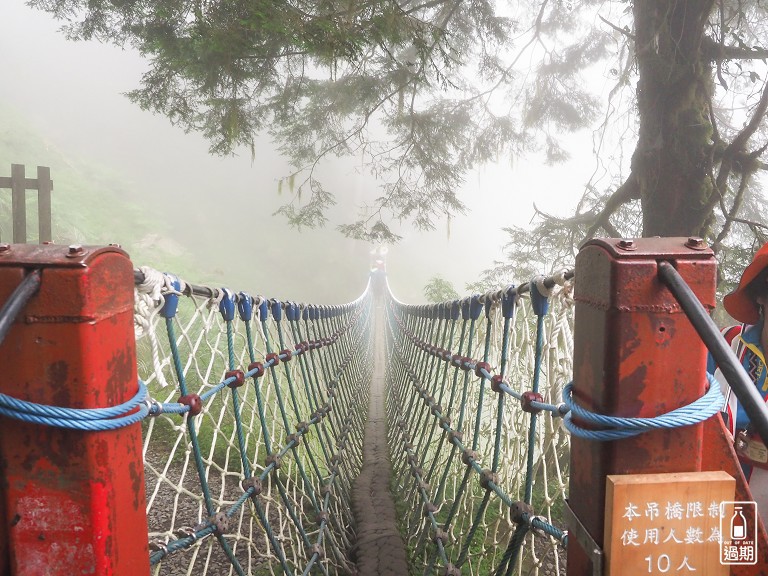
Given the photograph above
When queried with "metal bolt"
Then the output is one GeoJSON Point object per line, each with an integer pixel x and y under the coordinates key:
{"type": "Point", "coordinates": [74, 251]}
{"type": "Point", "coordinates": [696, 243]}
{"type": "Point", "coordinates": [627, 244]}
{"type": "Point", "coordinates": [5, 248]}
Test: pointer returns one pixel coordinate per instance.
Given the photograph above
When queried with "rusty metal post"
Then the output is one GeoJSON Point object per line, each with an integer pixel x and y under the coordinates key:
{"type": "Point", "coordinates": [72, 502]}
{"type": "Point", "coordinates": [635, 355]}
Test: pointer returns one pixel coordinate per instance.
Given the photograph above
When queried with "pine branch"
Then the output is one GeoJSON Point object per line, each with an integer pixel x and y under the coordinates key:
{"type": "Point", "coordinates": [718, 52]}
{"type": "Point", "coordinates": [730, 216]}
{"type": "Point", "coordinates": [739, 143]}
{"type": "Point", "coordinates": [426, 5]}
{"type": "Point", "coordinates": [628, 191]}
{"type": "Point", "coordinates": [622, 31]}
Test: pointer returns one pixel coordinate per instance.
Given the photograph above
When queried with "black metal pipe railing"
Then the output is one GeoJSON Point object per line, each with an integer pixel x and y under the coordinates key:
{"type": "Point", "coordinates": [189, 289]}
{"type": "Point", "coordinates": [734, 373]}
{"type": "Point", "coordinates": [18, 300]}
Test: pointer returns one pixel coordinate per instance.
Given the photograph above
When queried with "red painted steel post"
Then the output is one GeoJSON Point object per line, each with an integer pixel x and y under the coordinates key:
{"type": "Point", "coordinates": [72, 502]}
{"type": "Point", "coordinates": [635, 355]}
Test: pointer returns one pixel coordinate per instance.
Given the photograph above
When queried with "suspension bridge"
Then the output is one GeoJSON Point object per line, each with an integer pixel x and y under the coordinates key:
{"type": "Point", "coordinates": [150, 425]}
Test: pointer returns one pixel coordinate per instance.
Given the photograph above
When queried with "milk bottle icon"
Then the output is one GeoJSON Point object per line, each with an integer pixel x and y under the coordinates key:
{"type": "Point", "coordinates": [738, 524]}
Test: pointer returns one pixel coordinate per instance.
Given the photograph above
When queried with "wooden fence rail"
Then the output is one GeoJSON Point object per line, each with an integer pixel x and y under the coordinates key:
{"type": "Point", "coordinates": [19, 184]}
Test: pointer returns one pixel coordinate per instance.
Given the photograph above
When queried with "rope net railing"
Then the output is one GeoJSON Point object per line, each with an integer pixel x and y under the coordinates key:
{"type": "Point", "coordinates": [253, 413]}
{"type": "Point", "coordinates": [255, 430]}
{"type": "Point", "coordinates": [479, 450]}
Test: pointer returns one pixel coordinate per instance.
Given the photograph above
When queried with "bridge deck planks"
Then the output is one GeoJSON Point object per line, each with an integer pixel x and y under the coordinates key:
{"type": "Point", "coordinates": [379, 548]}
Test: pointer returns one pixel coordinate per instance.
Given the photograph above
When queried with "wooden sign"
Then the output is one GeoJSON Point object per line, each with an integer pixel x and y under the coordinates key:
{"type": "Point", "coordinates": [665, 523]}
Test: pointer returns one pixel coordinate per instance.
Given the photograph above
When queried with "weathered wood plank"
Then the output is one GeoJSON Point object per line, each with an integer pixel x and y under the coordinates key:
{"type": "Point", "coordinates": [44, 188]}
{"type": "Point", "coordinates": [18, 204]}
{"type": "Point", "coordinates": [670, 522]}
{"type": "Point", "coordinates": [29, 183]}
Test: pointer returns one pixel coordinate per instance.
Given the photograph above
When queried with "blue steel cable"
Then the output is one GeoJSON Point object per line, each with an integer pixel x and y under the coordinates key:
{"type": "Point", "coordinates": [182, 543]}
{"type": "Point", "coordinates": [286, 426]}
{"type": "Point", "coordinates": [398, 352]}
{"type": "Point", "coordinates": [227, 309]}
{"type": "Point", "coordinates": [694, 413]}
{"type": "Point", "coordinates": [93, 419]}
{"type": "Point", "coordinates": [480, 514]}
{"type": "Point", "coordinates": [195, 442]}
{"type": "Point", "coordinates": [540, 305]}
{"type": "Point", "coordinates": [462, 486]}
{"type": "Point", "coordinates": [508, 308]}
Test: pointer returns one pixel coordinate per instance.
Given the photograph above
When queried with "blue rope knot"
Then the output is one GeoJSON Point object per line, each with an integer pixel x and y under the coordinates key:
{"type": "Point", "coordinates": [88, 419]}
{"type": "Point", "coordinates": [618, 427]}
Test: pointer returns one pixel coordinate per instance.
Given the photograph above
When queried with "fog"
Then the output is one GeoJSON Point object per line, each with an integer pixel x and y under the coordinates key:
{"type": "Point", "coordinates": [218, 211]}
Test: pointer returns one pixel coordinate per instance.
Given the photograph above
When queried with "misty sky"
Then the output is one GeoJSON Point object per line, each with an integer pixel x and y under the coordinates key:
{"type": "Point", "coordinates": [220, 209]}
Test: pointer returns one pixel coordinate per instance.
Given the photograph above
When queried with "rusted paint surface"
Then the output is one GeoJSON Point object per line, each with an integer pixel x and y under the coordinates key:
{"type": "Point", "coordinates": [635, 355]}
{"type": "Point", "coordinates": [72, 502]}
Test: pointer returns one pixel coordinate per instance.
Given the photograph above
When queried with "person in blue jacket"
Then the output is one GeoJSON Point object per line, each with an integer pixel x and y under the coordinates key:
{"type": "Point", "coordinates": [748, 340]}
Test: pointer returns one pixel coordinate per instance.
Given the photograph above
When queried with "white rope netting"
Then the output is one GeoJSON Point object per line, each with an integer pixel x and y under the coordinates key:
{"type": "Point", "coordinates": [314, 476]}
{"type": "Point", "coordinates": [484, 420]}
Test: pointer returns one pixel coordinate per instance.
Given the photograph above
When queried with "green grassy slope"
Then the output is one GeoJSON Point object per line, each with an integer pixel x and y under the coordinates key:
{"type": "Point", "coordinates": [91, 204]}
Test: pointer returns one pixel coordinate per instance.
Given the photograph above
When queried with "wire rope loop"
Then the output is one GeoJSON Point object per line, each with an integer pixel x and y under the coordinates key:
{"type": "Point", "coordinates": [619, 427]}
{"type": "Point", "coordinates": [90, 419]}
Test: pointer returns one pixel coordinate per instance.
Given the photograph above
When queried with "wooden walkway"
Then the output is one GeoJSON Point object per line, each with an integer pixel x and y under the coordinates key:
{"type": "Point", "coordinates": [379, 550]}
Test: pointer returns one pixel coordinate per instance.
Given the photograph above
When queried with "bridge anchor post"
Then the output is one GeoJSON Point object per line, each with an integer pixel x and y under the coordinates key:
{"type": "Point", "coordinates": [636, 354]}
{"type": "Point", "coordinates": [71, 501]}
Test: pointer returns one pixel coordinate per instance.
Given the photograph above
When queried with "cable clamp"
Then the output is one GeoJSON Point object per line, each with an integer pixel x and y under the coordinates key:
{"type": "Point", "coordinates": [468, 456]}
{"type": "Point", "coordinates": [239, 378]}
{"type": "Point", "coordinates": [317, 549]}
{"type": "Point", "coordinates": [536, 529]}
{"type": "Point", "coordinates": [258, 367]}
{"type": "Point", "coordinates": [220, 522]}
{"type": "Point", "coordinates": [273, 460]}
{"type": "Point", "coordinates": [252, 483]}
{"type": "Point", "coordinates": [295, 438]}
{"type": "Point", "coordinates": [227, 304]}
{"type": "Point", "coordinates": [479, 367]}
{"type": "Point", "coordinates": [154, 408]}
{"type": "Point", "coordinates": [527, 398]}
{"type": "Point", "coordinates": [454, 435]}
{"type": "Point", "coordinates": [158, 546]}
{"type": "Point", "coordinates": [186, 532]}
{"type": "Point", "coordinates": [518, 510]}
{"type": "Point", "coordinates": [194, 402]}
{"type": "Point", "coordinates": [488, 477]}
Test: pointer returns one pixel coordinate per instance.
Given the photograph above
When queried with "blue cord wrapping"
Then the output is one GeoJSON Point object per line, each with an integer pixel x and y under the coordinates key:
{"type": "Point", "coordinates": [695, 412]}
{"type": "Point", "coordinates": [89, 419]}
